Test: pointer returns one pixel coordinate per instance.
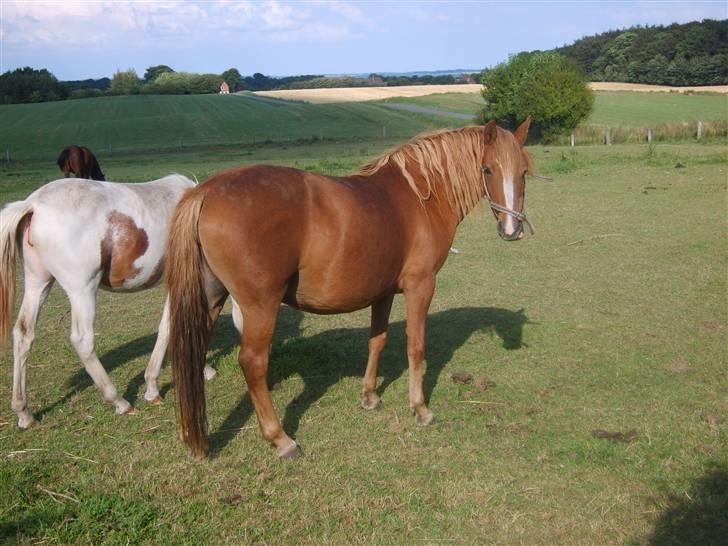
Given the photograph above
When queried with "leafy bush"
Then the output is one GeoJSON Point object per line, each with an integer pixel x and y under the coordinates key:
{"type": "Point", "coordinates": [184, 83]}
{"type": "Point", "coordinates": [547, 86]}
{"type": "Point", "coordinates": [125, 83]}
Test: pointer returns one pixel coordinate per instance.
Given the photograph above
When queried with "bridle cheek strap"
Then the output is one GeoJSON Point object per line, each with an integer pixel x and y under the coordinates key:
{"type": "Point", "coordinates": [520, 216]}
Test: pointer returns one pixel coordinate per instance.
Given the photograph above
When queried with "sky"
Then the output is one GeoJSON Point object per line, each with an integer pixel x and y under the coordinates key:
{"type": "Point", "coordinates": [78, 39]}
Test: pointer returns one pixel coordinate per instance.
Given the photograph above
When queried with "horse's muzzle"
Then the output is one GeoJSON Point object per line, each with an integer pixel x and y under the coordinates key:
{"type": "Point", "coordinates": [517, 233]}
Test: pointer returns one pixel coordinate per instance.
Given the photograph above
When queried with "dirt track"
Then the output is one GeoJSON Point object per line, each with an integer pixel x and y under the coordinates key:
{"type": "Point", "coordinates": [359, 94]}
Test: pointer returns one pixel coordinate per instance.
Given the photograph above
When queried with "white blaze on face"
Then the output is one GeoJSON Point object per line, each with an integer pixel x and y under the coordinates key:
{"type": "Point", "coordinates": [509, 191]}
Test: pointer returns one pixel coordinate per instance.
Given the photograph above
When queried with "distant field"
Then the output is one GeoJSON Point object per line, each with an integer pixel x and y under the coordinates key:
{"type": "Point", "coordinates": [357, 94]}
{"type": "Point", "coordinates": [623, 108]}
{"type": "Point", "coordinates": [348, 94]}
{"type": "Point", "coordinates": [114, 125]}
{"type": "Point", "coordinates": [141, 123]}
{"type": "Point", "coordinates": [629, 109]}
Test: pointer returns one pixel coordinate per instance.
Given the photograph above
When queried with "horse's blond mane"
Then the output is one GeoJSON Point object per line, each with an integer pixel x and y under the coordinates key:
{"type": "Point", "coordinates": [452, 157]}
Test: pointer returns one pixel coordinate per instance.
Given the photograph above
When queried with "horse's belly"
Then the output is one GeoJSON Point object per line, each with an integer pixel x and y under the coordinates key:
{"type": "Point", "coordinates": [317, 292]}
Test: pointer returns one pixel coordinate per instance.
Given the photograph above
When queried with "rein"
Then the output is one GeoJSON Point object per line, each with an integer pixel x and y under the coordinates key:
{"type": "Point", "coordinates": [521, 216]}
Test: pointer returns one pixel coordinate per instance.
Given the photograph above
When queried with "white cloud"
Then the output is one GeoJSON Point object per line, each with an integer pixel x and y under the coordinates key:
{"type": "Point", "coordinates": [129, 23]}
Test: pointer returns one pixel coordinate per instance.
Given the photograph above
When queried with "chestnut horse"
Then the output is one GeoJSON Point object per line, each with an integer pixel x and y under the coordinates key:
{"type": "Point", "coordinates": [85, 234]}
{"type": "Point", "coordinates": [80, 161]}
{"type": "Point", "coordinates": [267, 235]}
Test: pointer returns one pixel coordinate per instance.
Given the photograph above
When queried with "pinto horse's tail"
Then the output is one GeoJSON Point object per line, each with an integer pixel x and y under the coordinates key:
{"type": "Point", "coordinates": [10, 217]}
{"type": "Point", "coordinates": [189, 320]}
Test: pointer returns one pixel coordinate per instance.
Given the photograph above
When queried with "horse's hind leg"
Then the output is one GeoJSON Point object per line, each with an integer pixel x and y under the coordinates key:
{"type": "Point", "coordinates": [37, 283]}
{"type": "Point", "coordinates": [258, 332]}
{"type": "Point", "coordinates": [377, 340]}
{"type": "Point", "coordinates": [83, 312]}
{"type": "Point", "coordinates": [151, 374]}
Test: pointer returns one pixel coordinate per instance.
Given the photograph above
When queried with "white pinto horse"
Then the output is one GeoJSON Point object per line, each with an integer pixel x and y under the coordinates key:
{"type": "Point", "coordinates": [86, 234]}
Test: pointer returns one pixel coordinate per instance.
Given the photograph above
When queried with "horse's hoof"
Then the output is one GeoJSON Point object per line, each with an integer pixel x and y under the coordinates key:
{"type": "Point", "coordinates": [131, 410]}
{"type": "Point", "coordinates": [290, 452]}
{"type": "Point", "coordinates": [25, 421]}
{"type": "Point", "coordinates": [156, 401]}
{"type": "Point", "coordinates": [209, 373]}
{"type": "Point", "coordinates": [371, 402]}
{"type": "Point", "coordinates": [425, 420]}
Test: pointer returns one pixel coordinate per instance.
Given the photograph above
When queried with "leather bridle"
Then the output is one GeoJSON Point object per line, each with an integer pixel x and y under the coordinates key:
{"type": "Point", "coordinates": [495, 207]}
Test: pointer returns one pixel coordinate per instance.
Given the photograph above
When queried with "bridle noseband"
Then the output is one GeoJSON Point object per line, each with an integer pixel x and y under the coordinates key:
{"type": "Point", "coordinates": [521, 216]}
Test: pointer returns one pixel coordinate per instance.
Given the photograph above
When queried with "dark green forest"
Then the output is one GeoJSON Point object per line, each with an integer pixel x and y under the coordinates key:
{"type": "Point", "coordinates": [689, 54]}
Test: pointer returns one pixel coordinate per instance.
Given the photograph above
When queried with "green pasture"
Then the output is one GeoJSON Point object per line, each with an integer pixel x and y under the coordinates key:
{"type": "Point", "coordinates": [133, 124]}
{"type": "Point", "coordinates": [616, 109]}
{"type": "Point", "coordinates": [613, 317]}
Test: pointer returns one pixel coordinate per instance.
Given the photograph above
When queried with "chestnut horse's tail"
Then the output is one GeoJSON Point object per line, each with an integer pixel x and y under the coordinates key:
{"type": "Point", "coordinates": [10, 218]}
{"type": "Point", "coordinates": [189, 320]}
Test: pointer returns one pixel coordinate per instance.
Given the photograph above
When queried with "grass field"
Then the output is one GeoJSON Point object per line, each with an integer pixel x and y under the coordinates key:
{"type": "Point", "coordinates": [145, 123]}
{"type": "Point", "coordinates": [617, 109]}
{"type": "Point", "coordinates": [612, 317]}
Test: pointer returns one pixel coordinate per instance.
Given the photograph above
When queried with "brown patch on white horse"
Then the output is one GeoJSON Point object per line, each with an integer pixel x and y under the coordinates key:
{"type": "Point", "coordinates": [122, 245]}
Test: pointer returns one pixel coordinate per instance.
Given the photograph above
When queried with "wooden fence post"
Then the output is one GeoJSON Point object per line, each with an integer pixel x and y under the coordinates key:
{"type": "Point", "coordinates": [649, 136]}
{"type": "Point", "coordinates": [700, 130]}
{"type": "Point", "coordinates": [573, 140]}
{"type": "Point", "coordinates": [7, 155]}
{"type": "Point", "coordinates": [608, 137]}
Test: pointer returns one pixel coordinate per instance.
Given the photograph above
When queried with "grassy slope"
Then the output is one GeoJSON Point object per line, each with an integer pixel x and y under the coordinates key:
{"type": "Point", "coordinates": [162, 122]}
{"type": "Point", "coordinates": [576, 337]}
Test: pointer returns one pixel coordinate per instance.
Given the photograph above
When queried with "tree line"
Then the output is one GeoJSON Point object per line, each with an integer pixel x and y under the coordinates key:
{"type": "Point", "coordinates": [693, 53]}
{"type": "Point", "coordinates": [27, 85]}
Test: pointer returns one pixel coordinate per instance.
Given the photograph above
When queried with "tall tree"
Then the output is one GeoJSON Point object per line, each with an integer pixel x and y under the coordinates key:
{"type": "Point", "coordinates": [153, 72]}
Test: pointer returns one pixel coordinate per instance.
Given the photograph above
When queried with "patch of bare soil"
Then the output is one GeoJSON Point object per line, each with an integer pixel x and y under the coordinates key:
{"type": "Point", "coordinates": [616, 437]}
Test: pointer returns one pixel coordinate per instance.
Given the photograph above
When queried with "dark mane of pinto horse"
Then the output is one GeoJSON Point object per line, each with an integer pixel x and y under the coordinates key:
{"type": "Point", "coordinates": [80, 161]}
{"type": "Point", "coordinates": [267, 235]}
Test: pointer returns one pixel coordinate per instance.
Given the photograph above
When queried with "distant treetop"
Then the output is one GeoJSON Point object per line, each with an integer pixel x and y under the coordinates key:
{"type": "Point", "coordinates": [679, 54]}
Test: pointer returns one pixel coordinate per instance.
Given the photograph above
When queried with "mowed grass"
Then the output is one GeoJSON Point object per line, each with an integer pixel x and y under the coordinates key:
{"type": "Point", "coordinates": [612, 317]}
{"type": "Point", "coordinates": [113, 125]}
{"type": "Point", "coordinates": [616, 109]}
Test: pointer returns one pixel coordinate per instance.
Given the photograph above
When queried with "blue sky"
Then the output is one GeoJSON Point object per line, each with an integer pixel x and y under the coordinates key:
{"type": "Point", "coordinates": [84, 39]}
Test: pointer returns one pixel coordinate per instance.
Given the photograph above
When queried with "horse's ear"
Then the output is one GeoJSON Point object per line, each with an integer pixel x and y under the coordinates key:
{"type": "Point", "coordinates": [491, 132]}
{"type": "Point", "coordinates": [522, 131]}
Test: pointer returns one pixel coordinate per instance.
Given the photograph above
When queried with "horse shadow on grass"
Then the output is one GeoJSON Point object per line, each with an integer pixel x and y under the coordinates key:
{"type": "Point", "coordinates": [701, 518]}
{"type": "Point", "coordinates": [224, 340]}
{"type": "Point", "coordinates": [324, 359]}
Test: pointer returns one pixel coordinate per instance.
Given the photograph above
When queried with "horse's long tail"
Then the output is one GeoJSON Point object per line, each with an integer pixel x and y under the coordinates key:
{"type": "Point", "coordinates": [189, 322]}
{"type": "Point", "coordinates": [10, 217]}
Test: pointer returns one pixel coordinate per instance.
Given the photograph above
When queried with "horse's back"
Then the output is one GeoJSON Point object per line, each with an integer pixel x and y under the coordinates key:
{"type": "Point", "coordinates": [119, 229]}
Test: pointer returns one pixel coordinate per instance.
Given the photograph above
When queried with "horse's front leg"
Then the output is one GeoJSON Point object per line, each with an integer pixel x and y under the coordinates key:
{"type": "Point", "coordinates": [418, 297]}
{"type": "Point", "coordinates": [83, 313]}
{"type": "Point", "coordinates": [377, 340]}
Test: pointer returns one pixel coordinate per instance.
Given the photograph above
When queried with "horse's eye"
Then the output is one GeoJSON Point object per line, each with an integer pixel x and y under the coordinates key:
{"type": "Point", "coordinates": [487, 171]}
